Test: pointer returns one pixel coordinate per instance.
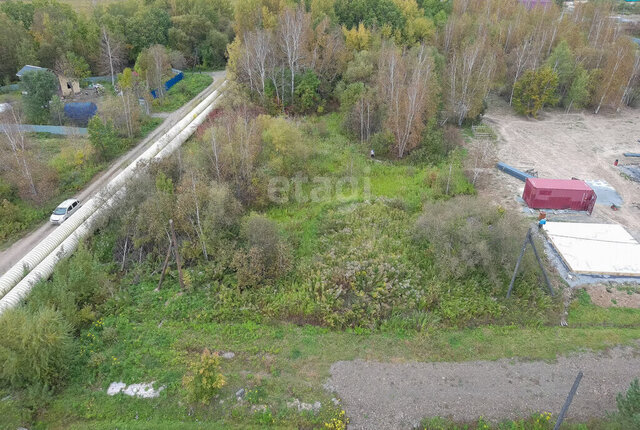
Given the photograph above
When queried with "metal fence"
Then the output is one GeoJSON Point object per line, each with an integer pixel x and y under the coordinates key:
{"type": "Point", "coordinates": [53, 129]}
{"type": "Point", "coordinates": [9, 88]}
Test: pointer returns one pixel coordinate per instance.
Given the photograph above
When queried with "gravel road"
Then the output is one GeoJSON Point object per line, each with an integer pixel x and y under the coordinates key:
{"type": "Point", "coordinates": [398, 395]}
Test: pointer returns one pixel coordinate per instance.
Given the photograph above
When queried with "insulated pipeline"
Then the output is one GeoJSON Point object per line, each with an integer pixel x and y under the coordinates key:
{"type": "Point", "coordinates": [40, 261]}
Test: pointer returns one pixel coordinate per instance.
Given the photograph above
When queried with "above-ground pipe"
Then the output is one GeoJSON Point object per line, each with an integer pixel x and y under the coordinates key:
{"type": "Point", "coordinates": [513, 171]}
{"type": "Point", "coordinates": [48, 245]}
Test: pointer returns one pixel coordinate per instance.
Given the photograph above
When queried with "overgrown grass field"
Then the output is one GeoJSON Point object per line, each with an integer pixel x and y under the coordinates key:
{"type": "Point", "coordinates": [367, 278]}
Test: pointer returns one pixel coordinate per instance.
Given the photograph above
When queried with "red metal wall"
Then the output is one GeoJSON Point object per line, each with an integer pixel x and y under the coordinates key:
{"type": "Point", "coordinates": [558, 194]}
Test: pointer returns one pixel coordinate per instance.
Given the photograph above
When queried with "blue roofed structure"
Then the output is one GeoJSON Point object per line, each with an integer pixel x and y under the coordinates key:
{"type": "Point", "coordinates": [29, 68]}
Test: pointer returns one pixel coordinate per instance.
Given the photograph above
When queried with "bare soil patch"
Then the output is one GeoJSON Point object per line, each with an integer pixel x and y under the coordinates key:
{"type": "Point", "coordinates": [397, 396]}
{"type": "Point", "coordinates": [609, 296]}
{"type": "Point", "coordinates": [558, 145]}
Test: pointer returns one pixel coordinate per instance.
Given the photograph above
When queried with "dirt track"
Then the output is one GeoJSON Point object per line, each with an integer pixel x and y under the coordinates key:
{"type": "Point", "coordinates": [563, 146]}
{"type": "Point", "coordinates": [397, 396]}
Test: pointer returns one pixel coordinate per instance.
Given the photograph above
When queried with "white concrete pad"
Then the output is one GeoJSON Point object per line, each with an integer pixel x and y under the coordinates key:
{"type": "Point", "coordinates": [144, 390]}
{"type": "Point", "coordinates": [595, 249]}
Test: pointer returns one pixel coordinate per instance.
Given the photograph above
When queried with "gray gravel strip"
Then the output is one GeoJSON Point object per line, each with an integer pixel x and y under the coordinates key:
{"type": "Point", "coordinates": [391, 395]}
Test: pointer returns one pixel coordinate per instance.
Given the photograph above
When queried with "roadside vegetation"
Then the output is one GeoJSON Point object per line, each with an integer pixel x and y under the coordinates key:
{"type": "Point", "coordinates": [299, 246]}
{"type": "Point", "coordinates": [182, 92]}
{"type": "Point", "coordinates": [59, 166]}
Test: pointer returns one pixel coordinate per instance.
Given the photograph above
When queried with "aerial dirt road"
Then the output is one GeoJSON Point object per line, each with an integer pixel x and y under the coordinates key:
{"type": "Point", "coordinates": [17, 250]}
{"type": "Point", "coordinates": [398, 395]}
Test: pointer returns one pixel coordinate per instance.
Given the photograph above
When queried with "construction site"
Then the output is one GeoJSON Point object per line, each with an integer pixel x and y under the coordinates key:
{"type": "Point", "coordinates": [580, 173]}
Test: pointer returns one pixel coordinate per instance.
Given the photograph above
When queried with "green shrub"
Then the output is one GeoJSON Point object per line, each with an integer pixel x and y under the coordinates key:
{"type": "Point", "coordinates": [7, 191]}
{"type": "Point", "coordinates": [355, 280]}
{"type": "Point", "coordinates": [267, 257]}
{"type": "Point", "coordinates": [78, 285]}
{"type": "Point", "coordinates": [534, 90]}
{"type": "Point", "coordinates": [204, 378]}
{"type": "Point", "coordinates": [39, 87]}
{"type": "Point", "coordinates": [103, 138]}
{"type": "Point", "coordinates": [466, 234]}
{"type": "Point", "coordinates": [436, 144]}
{"type": "Point", "coordinates": [16, 217]}
{"type": "Point", "coordinates": [12, 222]}
{"type": "Point", "coordinates": [629, 406]}
{"type": "Point", "coordinates": [307, 99]}
{"type": "Point", "coordinates": [382, 142]}
{"type": "Point", "coordinates": [35, 347]}
{"type": "Point", "coordinates": [285, 145]}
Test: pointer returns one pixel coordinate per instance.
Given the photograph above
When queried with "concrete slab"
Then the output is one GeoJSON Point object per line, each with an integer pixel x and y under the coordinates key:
{"type": "Point", "coordinates": [607, 195]}
{"type": "Point", "coordinates": [599, 249]}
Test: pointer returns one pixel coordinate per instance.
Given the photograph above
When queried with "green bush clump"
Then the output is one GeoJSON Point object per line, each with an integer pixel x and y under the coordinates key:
{"type": "Point", "coordinates": [629, 406]}
{"type": "Point", "coordinates": [382, 142]}
{"type": "Point", "coordinates": [35, 347]}
{"type": "Point", "coordinates": [358, 276]}
{"type": "Point", "coordinates": [7, 190]}
{"type": "Point", "coordinates": [534, 90]}
{"type": "Point", "coordinates": [369, 271]}
{"type": "Point", "coordinates": [16, 217]}
{"type": "Point", "coordinates": [266, 256]}
{"type": "Point", "coordinates": [79, 284]}
{"type": "Point", "coordinates": [307, 100]}
{"type": "Point", "coordinates": [204, 378]}
{"type": "Point", "coordinates": [104, 138]}
{"type": "Point", "coordinates": [436, 143]}
{"type": "Point", "coordinates": [466, 234]}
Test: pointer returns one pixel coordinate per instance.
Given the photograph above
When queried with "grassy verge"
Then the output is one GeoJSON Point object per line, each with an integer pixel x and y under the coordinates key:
{"type": "Point", "coordinates": [152, 336]}
{"type": "Point", "coordinates": [182, 92]}
{"type": "Point", "coordinates": [586, 314]}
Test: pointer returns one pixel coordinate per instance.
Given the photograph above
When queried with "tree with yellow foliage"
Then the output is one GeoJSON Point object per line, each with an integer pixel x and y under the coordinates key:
{"type": "Point", "coordinates": [357, 39]}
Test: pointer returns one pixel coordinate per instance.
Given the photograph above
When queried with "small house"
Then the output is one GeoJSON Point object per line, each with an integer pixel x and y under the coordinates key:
{"type": "Point", "coordinates": [67, 86]}
{"type": "Point", "coordinates": [29, 68]}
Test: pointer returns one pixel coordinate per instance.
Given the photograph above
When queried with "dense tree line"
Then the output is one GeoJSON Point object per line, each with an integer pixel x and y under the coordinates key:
{"type": "Point", "coordinates": [51, 34]}
{"type": "Point", "coordinates": [395, 65]}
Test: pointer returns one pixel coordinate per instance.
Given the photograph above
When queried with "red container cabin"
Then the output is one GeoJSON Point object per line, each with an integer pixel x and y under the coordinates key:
{"type": "Point", "coordinates": [559, 194]}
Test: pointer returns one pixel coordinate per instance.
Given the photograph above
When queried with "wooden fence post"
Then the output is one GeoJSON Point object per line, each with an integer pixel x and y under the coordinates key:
{"type": "Point", "coordinates": [175, 248]}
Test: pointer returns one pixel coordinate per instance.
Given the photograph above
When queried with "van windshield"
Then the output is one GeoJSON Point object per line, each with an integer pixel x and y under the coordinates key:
{"type": "Point", "coordinates": [60, 211]}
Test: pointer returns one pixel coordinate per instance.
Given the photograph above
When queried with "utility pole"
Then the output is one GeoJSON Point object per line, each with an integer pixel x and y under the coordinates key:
{"type": "Point", "coordinates": [166, 262]}
{"type": "Point", "coordinates": [567, 402]}
{"type": "Point", "coordinates": [175, 248]}
{"type": "Point", "coordinates": [529, 240]}
{"type": "Point", "coordinates": [173, 245]}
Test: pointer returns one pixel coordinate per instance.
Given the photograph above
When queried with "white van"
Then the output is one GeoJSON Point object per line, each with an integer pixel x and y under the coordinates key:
{"type": "Point", "coordinates": [64, 211]}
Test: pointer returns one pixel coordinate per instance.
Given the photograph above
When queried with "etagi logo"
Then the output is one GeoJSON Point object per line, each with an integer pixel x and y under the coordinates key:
{"type": "Point", "coordinates": [303, 189]}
